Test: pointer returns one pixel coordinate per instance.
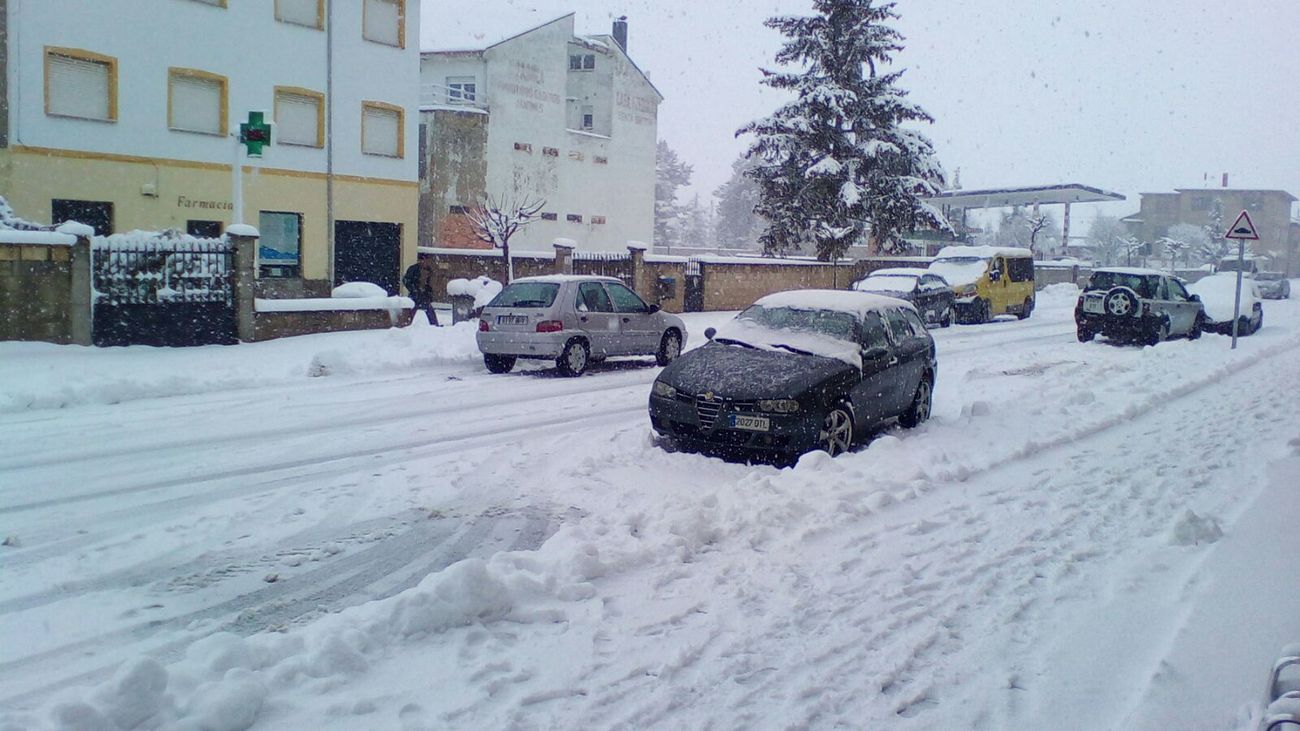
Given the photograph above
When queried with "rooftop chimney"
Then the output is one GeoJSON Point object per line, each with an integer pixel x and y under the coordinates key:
{"type": "Point", "coordinates": [620, 32]}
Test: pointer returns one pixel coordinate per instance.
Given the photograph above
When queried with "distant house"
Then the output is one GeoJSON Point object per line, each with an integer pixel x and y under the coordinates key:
{"type": "Point", "coordinates": [1269, 209]}
{"type": "Point", "coordinates": [544, 115]}
{"type": "Point", "coordinates": [121, 114]}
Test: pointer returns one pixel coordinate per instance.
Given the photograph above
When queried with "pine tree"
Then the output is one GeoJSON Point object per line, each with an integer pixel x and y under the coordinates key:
{"type": "Point", "coordinates": [835, 163]}
{"type": "Point", "coordinates": [670, 174]}
{"type": "Point", "coordinates": [738, 226]}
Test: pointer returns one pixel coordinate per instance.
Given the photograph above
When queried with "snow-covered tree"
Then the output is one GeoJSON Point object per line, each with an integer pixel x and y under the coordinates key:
{"type": "Point", "coordinates": [836, 163]}
{"type": "Point", "coordinates": [697, 224]}
{"type": "Point", "coordinates": [497, 218]}
{"type": "Point", "coordinates": [1215, 247]}
{"type": "Point", "coordinates": [1182, 241]}
{"type": "Point", "coordinates": [1029, 229]}
{"type": "Point", "coordinates": [670, 174]}
{"type": "Point", "coordinates": [737, 225]}
{"type": "Point", "coordinates": [1107, 237]}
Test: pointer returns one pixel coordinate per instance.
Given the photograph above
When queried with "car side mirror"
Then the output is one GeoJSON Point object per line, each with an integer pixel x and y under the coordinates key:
{"type": "Point", "coordinates": [874, 353]}
{"type": "Point", "coordinates": [995, 275]}
{"type": "Point", "coordinates": [653, 309]}
{"type": "Point", "coordinates": [709, 332]}
{"type": "Point", "coordinates": [1194, 298]}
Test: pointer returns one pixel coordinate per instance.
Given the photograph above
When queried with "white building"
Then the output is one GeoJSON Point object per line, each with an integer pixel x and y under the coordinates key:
{"type": "Point", "coordinates": [545, 115]}
{"type": "Point", "coordinates": [121, 114]}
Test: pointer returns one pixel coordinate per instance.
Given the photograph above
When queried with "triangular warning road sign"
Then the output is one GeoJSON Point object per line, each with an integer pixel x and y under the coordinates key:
{"type": "Point", "coordinates": [1242, 228]}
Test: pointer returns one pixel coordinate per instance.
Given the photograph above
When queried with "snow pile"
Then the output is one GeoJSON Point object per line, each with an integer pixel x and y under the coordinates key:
{"type": "Point", "coordinates": [1218, 292]}
{"type": "Point", "coordinates": [1193, 530]}
{"type": "Point", "coordinates": [356, 290]}
{"type": "Point", "coordinates": [482, 289]}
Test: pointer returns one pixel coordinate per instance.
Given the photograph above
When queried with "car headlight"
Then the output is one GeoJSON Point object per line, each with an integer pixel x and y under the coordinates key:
{"type": "Point", "coordinates": [969, 289]}
{"type": "Point", "coordinates": [779, 406]}
{"type": "Point", "coordinates": [664, 390]}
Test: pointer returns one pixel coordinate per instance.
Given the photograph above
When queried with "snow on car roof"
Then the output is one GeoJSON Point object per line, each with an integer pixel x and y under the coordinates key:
{"type": "Point", "coordinates": [899, 272]}
{"type": "Point", "coordinates": [983, 252]}
{"type": "Point", "coordinates": [562, 278]}
{"type": "Point", "coordinates": [838, 300]}
{"type": "Point", "coordinates": [1129, 270]}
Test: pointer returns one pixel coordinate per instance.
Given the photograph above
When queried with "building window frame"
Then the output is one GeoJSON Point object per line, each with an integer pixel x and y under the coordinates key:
{"type": "Point", "coordinates": [401, 128]}
{"type": "Point", "coordinates": [320, 16]}
{"type": "Point", "coordinates": [401, 24]}
{"type": "Point", "coordinates": [223, 123]}
{"type": "Point", "coordinates": [299, 91]}
{"type": "Point", "coordinates": [279, 271]}
{"type": "Point", "coordinates": [80, 54]}
{"type": "Point", "coordinates": [582, 62]}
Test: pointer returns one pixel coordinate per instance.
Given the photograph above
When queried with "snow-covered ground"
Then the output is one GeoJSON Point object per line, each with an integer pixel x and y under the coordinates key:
{"type": "Point", "coordinates": [368, 531]}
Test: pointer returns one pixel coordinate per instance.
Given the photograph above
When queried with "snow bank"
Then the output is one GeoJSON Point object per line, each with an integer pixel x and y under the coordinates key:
{"type": "Point", "coordinates": [482, 289]}
{"type": "Point", "coordinates": [333, 304]}
{"type": "Point", "coordinates": [47, 376]}
{"type": "Point", "coordinates": [358, 289]}
{"type": "Point", "coordinates": [46, 238]}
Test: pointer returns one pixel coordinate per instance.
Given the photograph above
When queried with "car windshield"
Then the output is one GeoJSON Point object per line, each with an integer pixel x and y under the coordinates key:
{"type": "Point", "coordinates": [960, 270]}
{"type": "Point", "coordinates": [527, 295]}
{"type": "Point", "coordinates": [1269, 276]}
{"type": "Point", "coordinates": [1143, 284]}
{"type": "Point", "coordinates": [838, 325]}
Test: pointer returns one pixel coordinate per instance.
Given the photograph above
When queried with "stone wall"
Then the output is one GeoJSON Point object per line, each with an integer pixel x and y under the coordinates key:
{"type": "Point", "coordinates": [733, 285]}
{"type": "Point", "coordinates": [45, 292]}
{"type": "Point", "coordinates": [270, 325]}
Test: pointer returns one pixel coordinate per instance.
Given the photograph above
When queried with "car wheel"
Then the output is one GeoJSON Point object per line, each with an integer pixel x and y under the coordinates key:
{"type": "Point", "coordinates": [919, 411]}
{"type": "Point", "coordinates": [670, 346]}
{"type": "Point", "coordinates": [499, 363]}
{"type": "Point", "coordinates": [837, 431]}
{"type": "Point", "coordinates": [1085, 335]}
{"type": "Point", "coordinates": [1197, 327]}
{"type": "Point", "coordinates": [1121, 302]}
{"type": "Point", "coordinates": [984, 312]}
{"type": "Point", "coordinates": [574, 358]}
{"type": "Point", "coordinates": [946, 319]}
{"type": "Point", "coordinates": [1027, 309]}
{"type": "Point", "coordinates": [1159, 333]}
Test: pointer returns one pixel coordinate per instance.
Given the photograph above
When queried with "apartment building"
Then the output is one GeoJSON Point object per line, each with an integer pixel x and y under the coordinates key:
{"type": "Point", "coordinates": [123, 115]}
{"type": "Point", "coordinates": [1269, 209]}
{"type": "Point", "coordinates": [545, 116]}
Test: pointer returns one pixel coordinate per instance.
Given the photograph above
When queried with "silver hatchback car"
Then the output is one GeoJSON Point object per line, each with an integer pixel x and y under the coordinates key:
{"type": "Point", "coordinates": [574, 320]}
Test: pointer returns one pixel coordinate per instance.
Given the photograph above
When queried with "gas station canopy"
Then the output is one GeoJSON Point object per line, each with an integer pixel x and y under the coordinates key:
{"type": "Point", "coordinates": [1005, 197]}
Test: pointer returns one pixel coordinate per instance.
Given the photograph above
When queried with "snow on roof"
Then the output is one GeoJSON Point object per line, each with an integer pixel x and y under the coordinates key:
{"type": "Point", "coordinates": [562, 278]}
{"type": "Point", "coordinates": [242, 229]}
{"type": "Point", "coordinates": [982, 252]}
{"type": "Point", "coordinates": [75, 229]}
{"type": "Point", "coordinates": [838, 300]}
{"type": "Point", "coordinates": [1129, 270]}
{"type": "Point", "coordinates": [479, 31]}
{"type": "Point", "coordinates": [45, 238]}
{"type": "Point", "coordinates": [899, 272]}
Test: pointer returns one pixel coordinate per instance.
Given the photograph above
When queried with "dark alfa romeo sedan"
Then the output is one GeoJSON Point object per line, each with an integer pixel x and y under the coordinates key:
{"type": "Point", "coordinates": [796, 372]}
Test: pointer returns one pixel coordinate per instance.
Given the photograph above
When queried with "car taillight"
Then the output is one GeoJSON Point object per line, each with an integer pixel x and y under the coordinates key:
{"type": "Point", "coordinates": [550, 326]}
{"type": "Point", "coordinates": [483, 326]}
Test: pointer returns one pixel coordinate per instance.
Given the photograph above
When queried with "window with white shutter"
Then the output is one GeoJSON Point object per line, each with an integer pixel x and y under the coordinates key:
{"type": "Point", "coordinates": [80, 84]}
{"type": "Point", "coordinates": [196, 101]}
{"type": "Point", "coordinates": [310, 13]}
{"type": "Point", "coordinates": [381, 129]}
{"type": "Point", "coordinates": [383, 21]}
{"type": "Point", "coordinates": [299, 117]}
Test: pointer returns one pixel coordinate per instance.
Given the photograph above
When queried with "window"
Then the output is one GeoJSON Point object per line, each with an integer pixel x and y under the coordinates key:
{"type": "Point", "coordinates": [575, 155]}
{"type": "Point", "coordinates": [573, 218]}
{"type": "Point", "coordinates": [592, 298]}
{"type": "Point", "coordinates": [281, 243]}
{"type": "Point", "coordinates": [458, 210]}
{"type": "Point", "coordinates": [80, 84]}
{"type": "Point", "coordinates": [461, 89]}
{"type": "Point", "coordinates": [1177, 291]}
{"type": "Point", "coordinates": [873, 332]}
{"type": "Point", "coordinates": [309, 13]}
{"type": "Point", "coordinates": [550, 217]}
{"type": "Point", "coordinates": [381, 129]}
{"type": "Point", "coordinates": [588, 117]}
{"type": "Point", "coordinates": [524, 147]}
{"type": "Point", "coordinates": [582, 61]}
{"type": "Point", "coordinates": [299, 117]}
{"type": "Point", "coordinates": [551, 151]}
{"type": "Point", "coordinates": [204, 229]}
{"type": "Point", "coordinates": [597, 219]}
{"type": "Point", "coordinates": [913, 319]}
{"type": "Point", "coordinates": [625, 300]}
{"type": "Point", "coordinates": [898, 326]}
{"type": "Point", "coordinates": [95, 214]}
{"type": "Point", "coordinates": [600, 159]}
{"type": "Point", "coordinates": [384, 21]}
{"type": "Point", "coordinates": [197, 101]}
{"type": "Point", "coordinates": [1021, 269]}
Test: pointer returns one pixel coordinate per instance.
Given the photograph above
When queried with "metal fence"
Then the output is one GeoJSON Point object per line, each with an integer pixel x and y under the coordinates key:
{"type": "Point", "coordinates": [604, 264]}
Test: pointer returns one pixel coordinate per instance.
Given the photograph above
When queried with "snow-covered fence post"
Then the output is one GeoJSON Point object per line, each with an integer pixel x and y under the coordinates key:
{"type": "Point", "coordinates": [636, 261]}
{"type": "Point", "coordinates": [243, 279]}
{"type": "Point", "coordinates": [563, 256]}
{"type": "Point", "coordinates": [81, 314]}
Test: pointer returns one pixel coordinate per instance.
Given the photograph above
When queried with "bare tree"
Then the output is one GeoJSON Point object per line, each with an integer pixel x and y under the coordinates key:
{"type": "Point", "coordinates": [1037, 222]}
{"type": "Point", "coordinates": [497, 218]}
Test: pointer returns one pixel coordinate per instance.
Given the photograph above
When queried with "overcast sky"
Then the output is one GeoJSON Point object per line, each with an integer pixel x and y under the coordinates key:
{"type": "Point", "coordinates": [1130, 95]}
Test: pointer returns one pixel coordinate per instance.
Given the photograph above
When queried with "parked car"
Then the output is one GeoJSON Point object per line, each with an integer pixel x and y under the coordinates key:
{"type": "Point", "coordinates": [799, 371]}
{"type": "Point", "coordinates": [1142, 305]}
{"type": "Point", "coordinates": [987, 281]}
{"type": "Point", "coordinates": [1217, 293]}
{"type": "Point", "coordinates": [1273, 285]}
{"type": "Point", "coordinates": [574, 320]}
{"type": "Point", "coordinates": [1282, 701]}
{"type": "Point", "coordinates": [929, 293]}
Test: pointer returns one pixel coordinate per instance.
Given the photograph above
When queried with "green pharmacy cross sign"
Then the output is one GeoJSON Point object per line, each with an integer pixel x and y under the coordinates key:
{"type": "Point", "coordinates": [255, 133]}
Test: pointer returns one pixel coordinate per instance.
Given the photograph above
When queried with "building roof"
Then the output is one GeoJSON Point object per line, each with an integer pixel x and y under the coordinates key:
{"type": "Point", "coordinates": [1044, 194]}
{"type": "Point", "coordinates": [1236, 190]}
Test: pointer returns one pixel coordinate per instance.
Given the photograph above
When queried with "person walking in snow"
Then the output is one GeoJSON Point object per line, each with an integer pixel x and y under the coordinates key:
{"type": "Point", "coordinates": [418, 281]}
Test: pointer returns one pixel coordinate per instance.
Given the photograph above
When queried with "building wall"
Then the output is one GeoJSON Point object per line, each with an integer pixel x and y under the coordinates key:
{"type": "Point", "coordinates": [532, 150]}
{"type": "Point", "coordinates": [1269, 209]}
{"type": "Point", "coordinates": [188, 174]}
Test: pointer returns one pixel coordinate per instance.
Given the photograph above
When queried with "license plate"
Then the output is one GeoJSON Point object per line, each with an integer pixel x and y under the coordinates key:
{"type": "Point", "coordinates": [749, 423]}
{"type": "Point", "coordinates": [512, 319]}
{"type": "Point", "coordinates": [1093, 305]}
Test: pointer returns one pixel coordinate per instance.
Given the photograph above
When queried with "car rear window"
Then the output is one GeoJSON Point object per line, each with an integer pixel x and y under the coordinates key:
{"type": "Point", "coordinates": [1144, 285]}
{"type": "Point", "coordinates": [526, 295]}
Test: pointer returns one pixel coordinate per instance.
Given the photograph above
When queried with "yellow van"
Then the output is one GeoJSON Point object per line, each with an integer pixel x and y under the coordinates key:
{"type": "Point", "coordinates": [987, 281]}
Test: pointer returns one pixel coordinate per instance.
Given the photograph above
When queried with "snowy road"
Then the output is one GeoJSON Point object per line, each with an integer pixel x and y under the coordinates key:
{"type": "Point", "coordinates": [1020, 560]}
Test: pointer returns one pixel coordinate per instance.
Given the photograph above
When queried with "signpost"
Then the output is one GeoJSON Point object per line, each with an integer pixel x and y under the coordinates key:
{"type": "Point", "coordinates": [1243, 230]}
{"type": "Point", "coordinates": [254, 135]}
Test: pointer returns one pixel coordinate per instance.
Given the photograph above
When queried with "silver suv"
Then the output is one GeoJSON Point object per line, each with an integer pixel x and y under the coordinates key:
{"type": "Point", "coordinates": [574, 320]}
{"type": "Point", "coordinates": [1143, 305]}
